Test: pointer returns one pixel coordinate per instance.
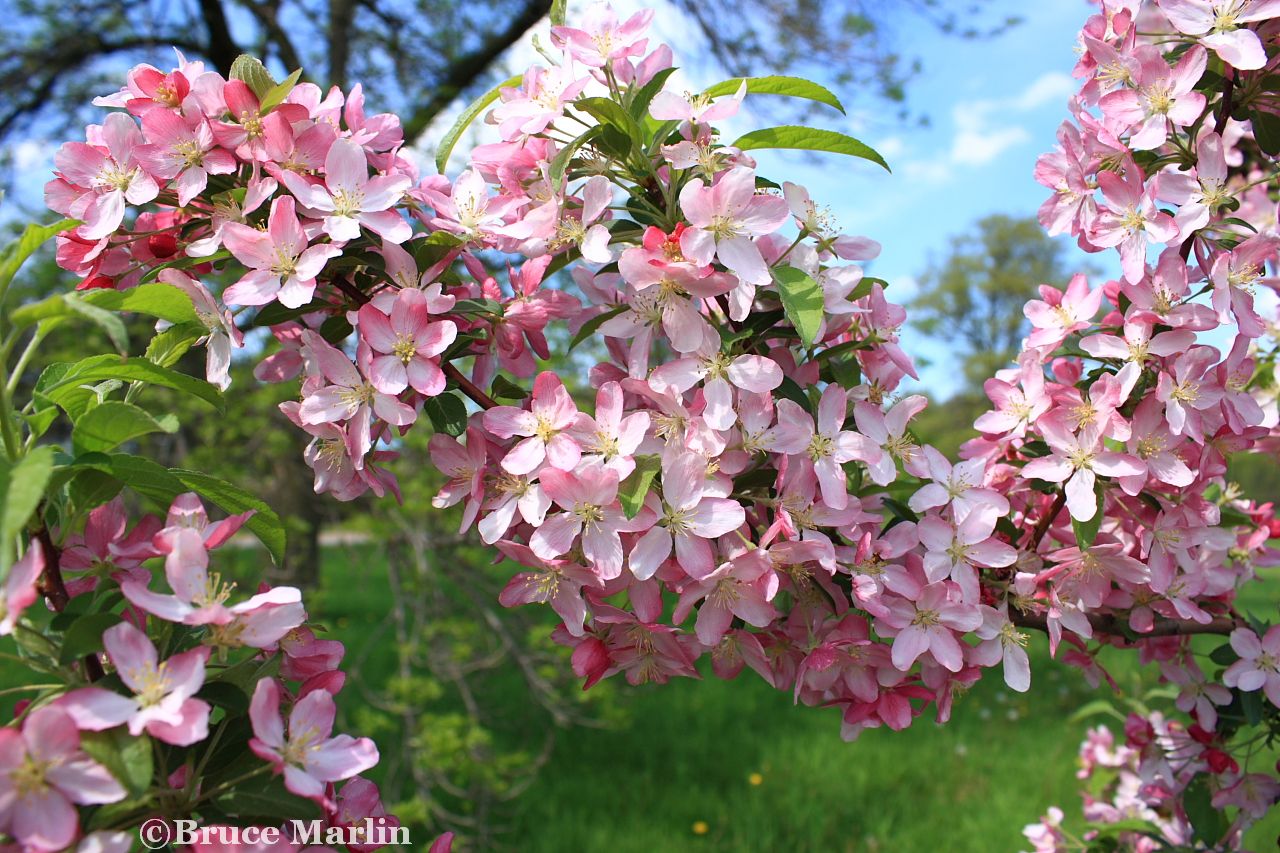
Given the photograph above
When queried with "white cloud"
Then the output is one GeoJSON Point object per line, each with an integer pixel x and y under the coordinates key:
{"type": "Point", "coordinates": [986, 127]}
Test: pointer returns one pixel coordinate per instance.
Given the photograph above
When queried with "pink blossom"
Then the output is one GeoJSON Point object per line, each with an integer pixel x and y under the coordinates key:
{"type": "Point", "coordinates": [1131, 219]}
{"type": "Point", "coordinates": [829, 445]}
{"type": "Point", "coordinates": [538, 102]}
{"type": "Point", "coordinates": [601, 40]}
{"type": "Point", "coordinates": [1222, 29]}
{"type": "Point", "coordinates": [19, 591]}
{"type": "Point", "coordinates": [1058, 314]}
{"type": "Point", "coordinates": [1259, 664]}
{"type": "Point", "coordinates": [176, 149]}
{"type": "Point", "coordinates": [928, 624]}
{"type": "Point", "coordinates": [406, 343]}
{"type": "Point", "coordinates": [588, 498]}
{"type": "Point", "coordinates": [719, 374]}
{"type": "Point", "coordinates": [223, 334]}
{"type": "Point", "coordinates": [163, 703]}
{"type": "Point", "coordinates": [742, 588]}
{"type": "Point", "coordinates": [725, 217]}
{"type": "Point", "coordinates": [1186, 388]}
{"type": "Point", "coordinates": [1002, 641]}
{"type": "Point", "coordinates": [44, 775]}
{"type": "Point", "coordinates": [309, 758]}
{"type": "Point", "coordinates": [555, 582]}
{"type": "Point", "coordinates": [955, 549]}
{"type": "Point", "coordinates": [609, 436]}
{"type": "Point", "coordinates": [1235, 274]}
{"type": "Point", "coordinates": [1077, 460]}
{"type": "Point", "coordinates": [281, 263]}
{"type": "Point", "coordinates": [543, 427]}
{"type": "Point", "coordinates": [687, 517]}
{"type": "Point", "coordinates": [106, 177]}
{"type": "Point", "coordinates": [349, 198]}
{"type": "Point", "coordinates": [1162, 96]}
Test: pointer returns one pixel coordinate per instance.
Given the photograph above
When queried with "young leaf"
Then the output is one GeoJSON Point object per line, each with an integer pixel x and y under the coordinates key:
{"type": "Point", "coordinates": [279, 92]}
{"type": "Point", "coordinates": [112, 423]}
{"type": "Point", "coordinates": [170, 345]}
{"type": "Point", "coordinates": [801, 300]}
{"type": "Point", "coordinates": [791, 87]}
{"type": "Point", "coordinates": [809, 139]}
{"type": "Point", "coordinates": [556, 15]}
{"type": "Point", "coordinates": [1086, 531]}
{"type": "Point", "coordinates": [450, 139]}
{"type": "Point", "coordinates": [254, 74]}
{"type": "Point", "coordinates": [635, 488]}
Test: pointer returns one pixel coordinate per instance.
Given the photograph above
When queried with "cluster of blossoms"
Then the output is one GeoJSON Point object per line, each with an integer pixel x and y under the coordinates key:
{"type": "Point", "coordinates": [180, 663]}
{"type": "Point", "coordinates": [748, 458]}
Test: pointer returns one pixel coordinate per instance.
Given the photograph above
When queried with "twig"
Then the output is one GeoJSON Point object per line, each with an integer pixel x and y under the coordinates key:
{"type": "Point", "coordinates": [1042, 527]}
{"type": "Point", "coordinates": [54, 589]}
{"type": "Point", "coordinates": [1113, 626]}
{"type": "Point", "coordinates": [466, 386]}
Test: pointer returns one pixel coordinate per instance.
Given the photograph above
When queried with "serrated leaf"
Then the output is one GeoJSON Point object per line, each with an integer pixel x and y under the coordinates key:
{"type": "Point", "coordinates": [790, 87]}
{"type": "Point", "coordinates": [809, 139]}
{"type": "Point", "coordinates": [254, 74]}
{"type": "Point", "coordinates": [560, 163]}
{"type": "Point", "coordinates": [128, 758]}
{"type": "Point", "coordinates": [802, 300]}
{"type": "Point", "coordinates": [159, 300]}
{"type": "Point", "coordinates": [264, 523]}
{"type": "Point", "coordinates": [634, 489]}
{"type": "Point", "coordinates": [14, 255]}
{"type": "Point", "coordinates": [589, 328]}
{"type": "Point", "coordinates": [450, 139]}
{"type": "Point", "coordinates": [103, 367]}
{"type": "Point", "coordinates": [112, 423]}
{"type": "Point", "coordinates": [84, 637]}
{"type": "Point", "coordinates": [447, 412]}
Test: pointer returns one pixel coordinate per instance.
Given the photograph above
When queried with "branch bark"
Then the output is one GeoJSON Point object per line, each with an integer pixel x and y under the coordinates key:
{"type": "Point", "coordinates": [1112, 626]}
{"type": "Point", "coordinates": [221, 49]}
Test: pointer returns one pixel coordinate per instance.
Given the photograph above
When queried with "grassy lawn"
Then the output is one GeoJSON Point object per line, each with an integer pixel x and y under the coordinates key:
{"type": "Point", "coordinates": [722, 766]}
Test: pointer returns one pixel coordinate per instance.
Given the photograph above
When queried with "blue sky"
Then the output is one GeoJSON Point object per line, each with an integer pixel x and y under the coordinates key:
{"type": "Point", "coordinates": [994, 105]}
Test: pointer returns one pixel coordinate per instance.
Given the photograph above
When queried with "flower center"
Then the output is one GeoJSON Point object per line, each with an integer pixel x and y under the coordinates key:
{"type": "Point", "coordinates": [404, 348]}
{"type": "Point", "coordinates": [347, 202]}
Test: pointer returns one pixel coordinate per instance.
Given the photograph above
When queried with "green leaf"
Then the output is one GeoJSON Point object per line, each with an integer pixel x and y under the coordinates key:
{"type": "Point", "coordinates": [1224, 655]}
{"type": "Point", "coordinates": [557, 12]}
{"type": "Point", "coordinates": [589, 328]}
{"type": "Point", "coordinates": [90, 488]}
{"type": "Point", "coordinates": [448, 413]}
{"type": "Point", "coordinates": [645, 95]}
{"type": "Point", "coordinates": [504, 389]}
{"type": "Point", "coordinates": [610, 112]}
{"type": "Point", "coordinates": [801, 300]}
{"type": "Point", "coordinates": [635, 488]}
{"type": "Point", "coordinates": [450, 139]}
{"type": "Point", "coordinates": [127, 757]}
{"type": "Point", "coordinates": [266, 799]}
{"type": "Point", "coordinates": [16, 253]}
{"type": "Point", "coordinates": [1208, 822]}
{"type": "Point", "coordinates": [255, 75]}
{"type": "Point", "coordinates": [264, 523]}
{"type": "Point", "coordinates": [167, 347]}
{"type": "Point", "coordinates": [791, 87]}
{"type": "Point", "coordinates": [101, 367]}
{"type": "Point", "coordinates": [560, 163]}
{"type": "Point", "coordinates": [791, 390]}
{"type": "Point", "coordinates": [101, 317]}
{"type": "Point", "coordinates": [23, 484]}
{"type": "Point", "coordinates": [160, 300]}
{"type": "Point", "coordinates": [809, 139]}
{"type": "Point", "coordinates": [112, 423]}
{"type": "Point", "coordinates": [276, 95]}
{"type": "Point", "coordinates": [225, 695]}
{"type": "Point", "coordinates": [84, 637]}
{"type": "Point", "coordinates": [1087, 531]}
{"type": "Point", "coordinates": [1266, 130]}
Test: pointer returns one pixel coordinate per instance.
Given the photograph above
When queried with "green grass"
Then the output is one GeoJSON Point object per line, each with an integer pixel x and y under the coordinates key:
{"type": "Point", "coordinates": [678, 775]}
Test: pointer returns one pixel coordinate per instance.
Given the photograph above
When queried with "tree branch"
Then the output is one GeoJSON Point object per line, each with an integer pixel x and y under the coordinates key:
{"type": "Point", "coordinates": [1113, 626]}
{"type": "Point", "coordinates": [222, 49]}
{"type": "Point", "coordinates": [468, 68]}
{"type": "Point", "coordinates": [466, 386]}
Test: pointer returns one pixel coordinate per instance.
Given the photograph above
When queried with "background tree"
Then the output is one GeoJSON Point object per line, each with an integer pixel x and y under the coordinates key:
{"type": "Point", "coordinates": [416, 56]}
{"type": "Point", "coordinates": [972, 298]}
